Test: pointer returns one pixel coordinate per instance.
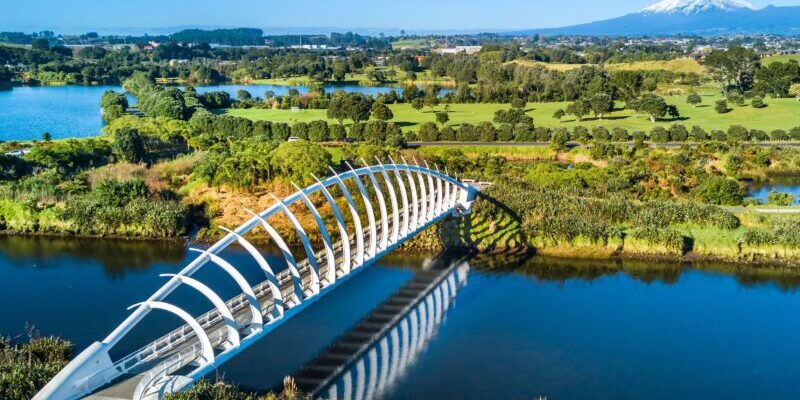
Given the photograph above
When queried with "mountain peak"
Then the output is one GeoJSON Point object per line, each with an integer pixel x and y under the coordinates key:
{"type": "Point", "coordinates": [689, 7]}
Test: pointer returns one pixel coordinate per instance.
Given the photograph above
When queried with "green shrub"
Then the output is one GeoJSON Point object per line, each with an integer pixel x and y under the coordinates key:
{"type": "Point", "coordinates": [719, 190]}
{"type": "Point", "coordinates": [721, 106]}
{"type": "Point", "coordinates": [27, 367]}
{"type": "Point", "coordinates": [780, 199]}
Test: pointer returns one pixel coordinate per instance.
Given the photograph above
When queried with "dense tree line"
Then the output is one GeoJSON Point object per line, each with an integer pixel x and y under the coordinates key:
{"type": "Point", "coordinates": [230, 37]}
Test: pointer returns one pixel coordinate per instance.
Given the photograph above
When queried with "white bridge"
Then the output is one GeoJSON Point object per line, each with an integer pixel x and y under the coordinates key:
{"type": "Point", "coordinates": [409, 198]}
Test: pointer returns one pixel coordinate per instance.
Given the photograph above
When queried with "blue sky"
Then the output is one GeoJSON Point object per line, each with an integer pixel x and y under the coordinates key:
{"type": "Point", "coordinates": [72, 16]}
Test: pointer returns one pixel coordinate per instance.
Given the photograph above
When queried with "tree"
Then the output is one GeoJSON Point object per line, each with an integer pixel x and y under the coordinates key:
{"type": "Point", "coordinates": [216, 100]}
{"type": "Point", "coordinates": [410, 92]}
{"type": "Point", "coordinates": [778, 134]}
{"type": "Point", "coordinates": [628, 83]}
{"type": "Point", "coordinates": [128, 145]}
{"type": "Point", "coordinates": [113, 105]}
{"type": "Point", "coordinates": [736, 98]}
{"type": "Point", "coordinates": [442, 118]}
{"type": "Point", "coordinates": [694, 99]}
{"type": "Point", "coordinates": [243, 95]}
{"type": "Point", "coordinates": [138, 83]}
{"type": "Point", "coordinates": [698, 134]}
{"type": "Point", "coordinates": [559, 139]}
{"type": "Point", "coordinates": [719, 190]}
{"type": "Point", "coordinates": [659, 135]}
{"type": "Point", "coordinates": [417, 104]}
{"type": "Point", "coordinates": [40, 44]}
{"type": "Point", "coordinates": [678, 133]}
{"type": "Point", "coordinates": [518, 102]}
{"type": "Point", "coordinates": [337, 132]}
{"type": "Point", "coordinates": [167, 103]}
{"type": "Point", "coordinates": [654, 106]}
{"type": "Point", "coordinates": [428, 132]}
{"type": "Point", "coordinates": [47, 137]}
{"type": "Point", "coordinates": [619, 134]}
{"type": "Point", "coordinates": [721, 106]}
{"type": "Point", "coordinates": [357, 107]}
{"type": "Point", "coordinates": [738, 133]}
{"type": "Point", "coordinates": [318, 131]}
{"type": "Point", "coordinates": [794, 90]}
{"type": "Point", "coordinates": [299, 159]}
{"type": "Point", "coordinates": [336, 108]}
{"type": "Point", "coordinates": [560, 113]}
{"type": "Point", "coordinates": [758, 102]}
{"type": "Point", "coordinates": [600, 104]}
{"type": "Point", "coordinates": [732, 69]}
{"type": "Point", "coordinates": [672, 111]}
{"type": "Point", "coordinates": [579, 108]}
{"type": "Point", "coordinates": [775, 79]}
{"type": "Point", "coordinates": [381, 111]}
{"type": "Point", "coordinates": [431, 100]}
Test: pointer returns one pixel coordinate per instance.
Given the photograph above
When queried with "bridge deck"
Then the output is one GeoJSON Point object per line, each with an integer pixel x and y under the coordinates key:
{"type": "Point", "coordinates": [182, 343]}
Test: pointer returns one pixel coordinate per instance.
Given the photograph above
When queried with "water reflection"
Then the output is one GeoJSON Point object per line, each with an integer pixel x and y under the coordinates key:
{"type": "Point", "coordinates": [562, 270]}
{"type": "Point", "coordinates": [367, 361]}
{"type": "Point", "coordinates": [116, 257]}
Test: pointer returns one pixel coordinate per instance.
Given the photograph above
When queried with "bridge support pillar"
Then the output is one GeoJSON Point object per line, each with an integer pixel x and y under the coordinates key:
{"type": "Point", "coordinates": [465, 199]}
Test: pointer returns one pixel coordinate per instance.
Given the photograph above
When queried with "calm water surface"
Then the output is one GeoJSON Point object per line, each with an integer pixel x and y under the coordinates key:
{"type": "Point", "coordinates": [560, 329]}
{"type": "Point", "coordinates": [74, 111]}
{"type": "Point", "coordinates": [790, 185]}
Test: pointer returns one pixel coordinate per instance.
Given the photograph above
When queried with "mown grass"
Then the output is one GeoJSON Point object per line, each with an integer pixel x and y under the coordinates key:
{"type": "Point", "coordinates": [551, 66]}
{"type": "Point", "coordinates": [685, 65]}
{"type": "Point", "coordinates": [410, 44]}
{"type": "Point", "coordinates": [293, 81]}
{"type": "Point", "coordinates": [781, 58]}
{"type": "Point", "coordinates": [779, 114]}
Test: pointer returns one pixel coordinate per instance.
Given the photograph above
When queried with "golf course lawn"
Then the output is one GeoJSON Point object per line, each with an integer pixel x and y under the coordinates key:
{"type": "Point", "coordinates": [779, 114]}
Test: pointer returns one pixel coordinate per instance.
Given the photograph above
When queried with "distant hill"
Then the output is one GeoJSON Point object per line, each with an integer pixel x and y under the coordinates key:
{"type": "Point", "coordinates": [689, 17]}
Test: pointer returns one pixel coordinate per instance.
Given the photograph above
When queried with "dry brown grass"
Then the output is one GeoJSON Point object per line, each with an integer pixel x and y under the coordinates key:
{"type": "Point", "coordinates": [122, 171]}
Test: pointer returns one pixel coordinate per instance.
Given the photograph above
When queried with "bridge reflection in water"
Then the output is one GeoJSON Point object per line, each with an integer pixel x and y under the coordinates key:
{"type": "Point", "coordinates": [371, 357]}
{"type": "Point", "coordinates": [175, 360]}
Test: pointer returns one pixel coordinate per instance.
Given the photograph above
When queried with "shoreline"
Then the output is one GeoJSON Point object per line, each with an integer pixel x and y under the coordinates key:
{"type": "Point", "coordinates": [562, 252]}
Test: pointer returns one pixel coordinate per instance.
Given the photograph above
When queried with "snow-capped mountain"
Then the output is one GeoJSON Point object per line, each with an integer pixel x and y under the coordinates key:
{"type": "Point", "coordinates": [690, 17]}
{"type": "Point", "coordinates": [689, 7]}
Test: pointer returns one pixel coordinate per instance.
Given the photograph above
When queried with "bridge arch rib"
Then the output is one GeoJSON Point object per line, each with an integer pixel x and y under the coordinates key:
{"type": "Point", "coordinates": [433, 196]}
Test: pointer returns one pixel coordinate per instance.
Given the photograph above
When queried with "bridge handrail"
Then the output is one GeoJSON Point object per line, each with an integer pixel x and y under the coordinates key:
{"type": "Point", "coordinates": [437, 203]}
{"type": "Point", "coordinates": [212, 317]}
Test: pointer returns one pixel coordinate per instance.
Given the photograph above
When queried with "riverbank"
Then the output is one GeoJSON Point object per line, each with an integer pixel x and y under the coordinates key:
{"type": "Point", "coordinates": [746, 238]}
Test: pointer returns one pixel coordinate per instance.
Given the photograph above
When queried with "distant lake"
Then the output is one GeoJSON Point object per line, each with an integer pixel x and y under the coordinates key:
{"type": "Point", "coordinates": [74, 111]}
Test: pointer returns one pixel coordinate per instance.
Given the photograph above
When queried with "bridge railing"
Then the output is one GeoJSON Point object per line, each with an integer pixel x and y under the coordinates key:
{"type": "Point", "coordinates": [258, 309]}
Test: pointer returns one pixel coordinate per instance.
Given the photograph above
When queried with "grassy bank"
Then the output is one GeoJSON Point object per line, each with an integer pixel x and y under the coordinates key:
{"type": "Point", "coordinates": [494, 228]}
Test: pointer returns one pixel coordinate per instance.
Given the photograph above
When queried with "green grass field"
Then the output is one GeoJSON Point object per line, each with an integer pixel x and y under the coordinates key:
{"type": "Point", "coordinates": [550, 66]}
{"type": "Point", "coordinates": [781, 58]}
{"type": "Point", "coordinates": [779, 114]}
{"type": "Point", "coordinates": [685, 65]}
{"type": "Point", "coordinates": [410, 44]}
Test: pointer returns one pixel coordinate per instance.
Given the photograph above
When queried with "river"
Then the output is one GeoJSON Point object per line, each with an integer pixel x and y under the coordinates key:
{"type": "Point", "coordinates": [560, 329]}
{"type": "Point", "coordinates": [74, 111]}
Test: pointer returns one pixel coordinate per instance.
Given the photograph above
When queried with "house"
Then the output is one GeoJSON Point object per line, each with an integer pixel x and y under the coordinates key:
{"type": "Point", "coordinates": [459, 49]}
